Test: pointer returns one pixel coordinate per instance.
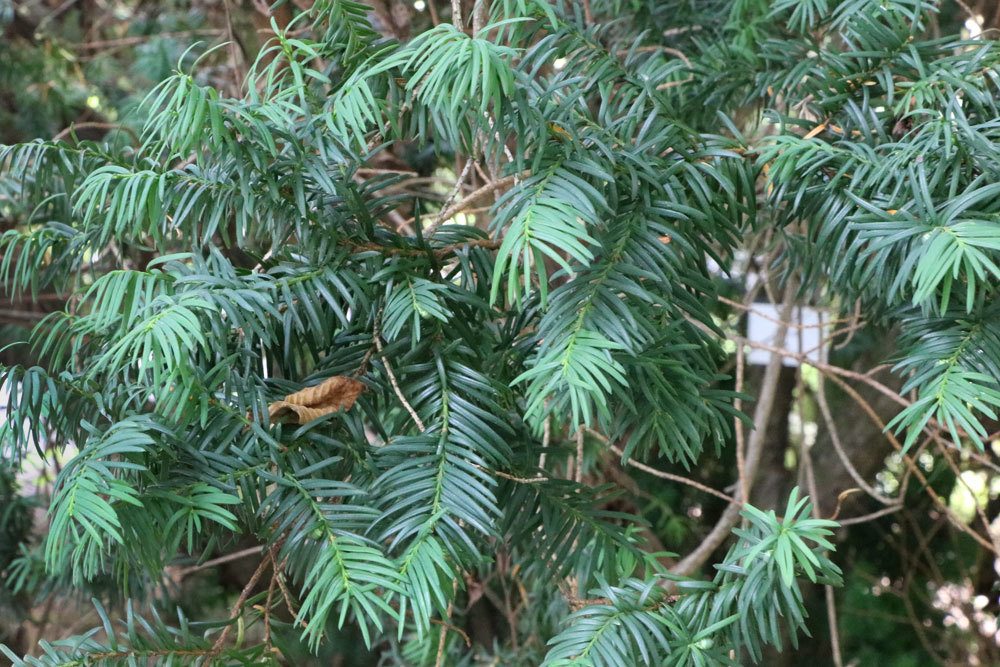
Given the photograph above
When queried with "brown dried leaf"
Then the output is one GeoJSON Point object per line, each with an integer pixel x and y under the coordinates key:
{"type": "Point", "coordinates": [815, 131]}
{"type": "Point", "coordinates": [336, 393]}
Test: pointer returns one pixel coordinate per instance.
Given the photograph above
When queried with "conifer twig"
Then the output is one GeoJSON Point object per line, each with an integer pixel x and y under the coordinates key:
{"type": "Point", "coordinates": [392, 376]}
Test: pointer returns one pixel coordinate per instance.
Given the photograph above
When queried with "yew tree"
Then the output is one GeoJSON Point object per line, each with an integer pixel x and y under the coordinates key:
{"type": "Point", "coordinates": [392, 304]}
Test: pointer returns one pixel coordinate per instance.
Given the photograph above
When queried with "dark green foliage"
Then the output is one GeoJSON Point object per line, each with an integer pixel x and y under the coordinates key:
{"type": "Point", "coordinates": [639, 623]}
{"type": "Point", "coordinates": [895, 187]}
{"type": "Point", "coordinates": [237, 252]}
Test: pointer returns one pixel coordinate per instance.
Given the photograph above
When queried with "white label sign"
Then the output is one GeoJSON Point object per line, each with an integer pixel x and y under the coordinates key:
{"type": "Point", "coordinates": [802, 337]}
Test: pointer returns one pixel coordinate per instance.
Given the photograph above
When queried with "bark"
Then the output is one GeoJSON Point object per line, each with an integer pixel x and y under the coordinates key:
{"type": "Point", "coordinates": [774, 480]}
{"type": "Point", "coordinates": [864, 443]}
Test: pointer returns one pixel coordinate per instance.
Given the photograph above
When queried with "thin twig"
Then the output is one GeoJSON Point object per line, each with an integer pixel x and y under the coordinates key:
{"type": "Point", "coordinates": [260, 265]}
{"type": "Point", "coordinates": [738, 424]}
{"type": "Point", "coordinates": [915, 621]}
{"type": "Point", "coordinates": [402, 224]}
{"type": "Point", "coordinates": [97, 126]}
{"type": "Point", "coordinates": [854, 520]}
{"type": "Point", "coordinates": [234, 48]}
{"type": "Point", "coordinates": [838, 447]}
{"type": "Point", "coordinates": [478, 17]}
{"type": "Point", "coordinates": [841, 497]}
{"type": "Point", "coordinates": [826, 368]}
{"type": "Point", "coordinates": [972, 14]}
{"type": "Point", "coordinates": [830, 370]}
{"type": "Point", "coordinates": [546, 439]}
{"type": "Point", "coordinates": [392, 376]}
{"type": "Point", "coordinates": [451, 197]}
{"type": "Point", "coordinates": [578, 476]}
{"type": "Point", "coordinates": [946, 455]}
{"type": "Point", "coordinates": [228, 558]}
{"type": "Point", "coordinates": [831, 603]}
{"type": "Point", "coordinates": [443, 251]}
{"type": "Point", "coordinates": [286, 594]}
{"type": "Point", "coordinates": [58, 11]}
{"type": "Point", "coordinates": [775, 320]}
{"type": "Point", "coordinates": [680, 479]}
{"type": "Point", "coordinates": [439, 660]}
{"type": "Point", "coordinates": [762, 415]}
{"type": "Point", "coordinates": [270, 598]}
{"type": "Point", "coordinates": [22, 315]}
{"type": "Point", "coordinates": [855, 320]}
{"type": "Point", "coordinates": [455, 628]}
{"type": "Point", "coordinates": [401, 172]}
{"type": "Point", "coordinates": [908, 460]}
{"type": "Point", "coordinates": [238, 607]}
{"type": "Point", "coordinates": [139, 39]}
{"type": "Point", "coordinates": [474, 196]}
{"type": "Point", "coordinates": [515, 478]}
{"type": "Point", "coordinates": [673, 84]}
{"type": "Point", "coordinates": [831, 613]}
{"type": "Point", "coordinates": [671, 32]}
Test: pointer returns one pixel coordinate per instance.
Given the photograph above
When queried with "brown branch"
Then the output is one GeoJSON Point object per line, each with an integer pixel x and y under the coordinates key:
{"type": "Point", "coordinates": [362, 171]}
{"type": "Point", "coordinates": [764, 316]}
{"type": "Point", "coordinates": [155, 653]}
{"type": "Point", "coordinates": [865, 518]}
{"type": "Point", "coordinates": [672, 32]}
{"type": "Point", "coordinates": [131, 41]}
{"type": "Point", "coordinates": [65, 132]}
{"type": "Point", "coordinates": [914, 468]}
{"type": "Point", "coordinates": [762, 415]}
{"type": "Point", "coordinates": [237, 555]}
{"type": "Point", "coordinates": [946, 455]}
{"type": "Point", "coordinates": [971, 13]}
{"type": "Point", "coordinates": [478, 16]}
{"type": "Point", "coordinates": [838, 447]}
{"type": "Point", "coordinates": [55, 13]}
{"type": "Point", "coordinates": [439, 660]}
{"type": "Point", "coordinates": [238, 607]}
{"type": "Point", "coordinates": [578, 475]}
{"type": "Point", "coordinates": [744, 490]}
{"type": "Point", "coordinates": [453, 628]}
{"type": "Point", "coordinates": [826, 368]}
{"type": "Point", "coordinates": [673, 84]}
{"type": "Point", "coordinates": [235, 51]}
{"type": "Point", "coordinates": [546, 439]}
{"type": "Point", "coordinates": [286, 594]}
{"type": "Point", "coordinates": [831, 614]}
{"type": "Point", "coordinates": [19, 316]}
{"type": "Point", "coordinates": [841, 497]}
{"type": "Point", "coordinates": [578, 603]}
{"type": "Point", "coordinates": [459, 182]}
{"type": "Point", "coordinates": [377, 335]}
{"type": "Point", "coordinates": [680, 479]}
{"type": "Point", "coordinates": [855, 322]}
{"type": "Point", "coordinates": [275, 573]}
{"type": "Point", "coordinates": [932, 427]}
{"type": "Point", "coordinates": [831, 603]}
{"type": "Point", "coordinates": [466, 202]}
{"type": "Point", "coordinates": [915, 622]}
{"type": "Point", "coordinates": [443, 251]}
{"type": "Point", "coordinates": [514, 478]}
